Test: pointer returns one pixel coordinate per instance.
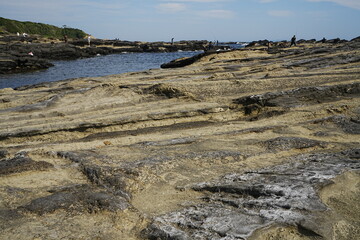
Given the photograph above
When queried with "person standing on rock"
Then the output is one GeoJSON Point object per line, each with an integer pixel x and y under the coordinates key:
{"type": "Point", "coordinates": [293, 41]}
{"type": "Point", "coordinates": [89, 40]}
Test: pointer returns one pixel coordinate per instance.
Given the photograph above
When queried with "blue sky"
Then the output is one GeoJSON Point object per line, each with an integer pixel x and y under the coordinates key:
{"type": "Point", "coordinates": [223, 20]}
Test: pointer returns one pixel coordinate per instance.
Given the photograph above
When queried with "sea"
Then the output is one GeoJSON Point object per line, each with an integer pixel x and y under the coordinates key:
{"type": "Point", "coordinates": [94, 67]}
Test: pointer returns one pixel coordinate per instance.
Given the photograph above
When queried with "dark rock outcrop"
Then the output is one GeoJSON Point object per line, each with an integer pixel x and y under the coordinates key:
{"type": "Point", "coordinates": [300, 96]}
{"type": "Point", "coordinates": [81, 198]}
{"type": "Point", "coordinates": [287, 143]}
{"type": "Point", "coordinates": [21, 62]}
{"type": "Point", "coordinates": [22, 163]}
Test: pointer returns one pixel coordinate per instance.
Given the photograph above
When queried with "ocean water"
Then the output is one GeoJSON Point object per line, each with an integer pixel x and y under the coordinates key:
{"type": "Point", "coordinates": [92, 67]}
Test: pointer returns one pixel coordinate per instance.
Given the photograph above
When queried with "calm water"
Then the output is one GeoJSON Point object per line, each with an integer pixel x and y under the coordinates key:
{"type": "Point", "coordinates": [92, 67]}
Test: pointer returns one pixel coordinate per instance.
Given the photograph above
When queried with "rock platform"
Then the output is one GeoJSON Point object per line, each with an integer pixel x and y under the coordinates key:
{"type": "Point", "coordinates": [247, 144]}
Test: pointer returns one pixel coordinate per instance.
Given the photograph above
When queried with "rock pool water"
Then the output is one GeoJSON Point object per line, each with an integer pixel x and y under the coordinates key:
{"type": "Point", "coordinates": [92, 67]}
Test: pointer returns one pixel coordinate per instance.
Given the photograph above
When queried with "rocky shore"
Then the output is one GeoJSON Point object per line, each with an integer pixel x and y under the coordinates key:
{"type": "Point", "coordinates": [20, 54]}
{"type": "Point", "coordinates": [255, 143]}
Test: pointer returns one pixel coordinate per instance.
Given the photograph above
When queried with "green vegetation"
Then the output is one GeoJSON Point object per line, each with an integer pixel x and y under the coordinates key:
{"type": "Point", "coordinates": [46, 30]}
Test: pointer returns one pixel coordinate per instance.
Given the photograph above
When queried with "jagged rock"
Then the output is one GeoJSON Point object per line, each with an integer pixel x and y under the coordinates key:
{"type": "Point", "coordinates": [238, 204]}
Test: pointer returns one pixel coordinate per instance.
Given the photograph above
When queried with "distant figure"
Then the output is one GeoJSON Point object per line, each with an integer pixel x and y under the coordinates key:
{"type": "Point", "coordinates": [172, 41]}
{"type": "Point", "coordinates": [323, 40]}
{"type": "Point", "coordinates": [65, 38]}
{"type": "Point", "coordinates": [268, 45]}
{"type": "Point", "coordinates": [293, 41]}
{"type": "Point", "coordinates": [89, 40]}
{"type": "Point", "coordinates": [210, 46]}
{"type": "Point", "coordinates": [18, 34]}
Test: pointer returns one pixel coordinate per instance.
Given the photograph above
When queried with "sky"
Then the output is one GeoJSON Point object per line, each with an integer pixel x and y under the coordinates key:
{"type": "Point", "coordinates": [222, 20]}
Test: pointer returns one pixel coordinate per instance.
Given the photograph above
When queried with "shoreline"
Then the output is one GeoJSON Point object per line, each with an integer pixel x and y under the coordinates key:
{"type": "Point", "coordinates": [21, 54]}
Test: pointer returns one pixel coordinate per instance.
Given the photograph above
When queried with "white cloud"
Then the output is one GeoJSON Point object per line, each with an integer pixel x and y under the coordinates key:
{"type": "Point", "coordinates": [280, 13]}
{"type": "Point", "coordinates": [171, 7]}
{"type": "Point", "coordinates": [224, 14]}
{"type": "Point", "coordinates": [348, 3]}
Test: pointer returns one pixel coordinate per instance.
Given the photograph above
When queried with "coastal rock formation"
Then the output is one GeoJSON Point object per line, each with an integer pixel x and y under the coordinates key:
{"type": "Point", "coordinates": [15, 50]}
{"type": "Point", "coordinates": [19, 62]}
{"type": "Point", "coordinates": [255, 143]}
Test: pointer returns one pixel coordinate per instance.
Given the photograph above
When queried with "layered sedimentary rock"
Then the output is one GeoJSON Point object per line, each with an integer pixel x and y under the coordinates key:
{"type": "Point", "coordinates": [246, 144]}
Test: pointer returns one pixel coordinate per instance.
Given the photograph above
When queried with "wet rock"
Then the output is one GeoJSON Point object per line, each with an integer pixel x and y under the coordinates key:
{"type": "Point", "coordinates": [238, 204]}
{"type": "Point", "coordinates": [21, 63]}
{"type": "Point", "coordinates": [80, 198]}
{"type": "Point", "coordinates": [22, 163]}
{"type": "Point", "coordinates": [182, 62]}
{"type": "Point", "coordinates": [6, 65]}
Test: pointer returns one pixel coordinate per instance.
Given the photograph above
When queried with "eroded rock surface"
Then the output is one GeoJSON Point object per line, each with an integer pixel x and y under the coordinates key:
{"type": "Point", "coordinates": [250, 144]}
{"type": "Point", "coordinates": [283, 194]}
